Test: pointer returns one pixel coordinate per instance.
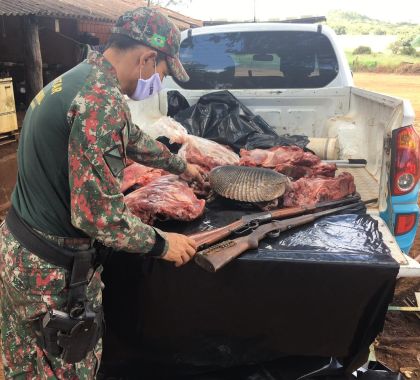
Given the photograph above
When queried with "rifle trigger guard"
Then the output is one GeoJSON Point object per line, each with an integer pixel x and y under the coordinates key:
{"type": "Point", "coordinates": [274, 234]}
{"type": "Point", "coordinates": [247, 228]}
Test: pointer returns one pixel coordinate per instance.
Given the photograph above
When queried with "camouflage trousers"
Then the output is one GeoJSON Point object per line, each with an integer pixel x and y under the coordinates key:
{"type": "Point", "coordinates": [29, 286]}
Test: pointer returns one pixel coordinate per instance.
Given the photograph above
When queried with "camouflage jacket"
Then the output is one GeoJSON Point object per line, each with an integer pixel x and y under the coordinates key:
{"type": "Point", "coordinates": [102, 137]}
{"type": "Point", "coordinates": [76, 138]}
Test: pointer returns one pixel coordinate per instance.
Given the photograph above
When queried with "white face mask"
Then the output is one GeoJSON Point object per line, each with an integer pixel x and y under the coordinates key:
{"type": "Point", "coordinates": [147, 87]}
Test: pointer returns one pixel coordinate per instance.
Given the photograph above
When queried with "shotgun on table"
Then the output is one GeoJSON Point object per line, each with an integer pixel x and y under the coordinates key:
{"type": "Point", "coordinates": [252, 221]}
{"type": "Point", "coordinates": [217, 256]}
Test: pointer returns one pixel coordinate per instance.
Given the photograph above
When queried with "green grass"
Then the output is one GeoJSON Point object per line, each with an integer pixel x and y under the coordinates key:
{"type": "Point", "coordinates": [383, 61]}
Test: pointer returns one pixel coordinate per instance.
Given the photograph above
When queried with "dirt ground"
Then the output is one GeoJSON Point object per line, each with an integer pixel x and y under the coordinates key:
{"type": "Point", "coordinates": [398, 347]}
{"type": "Point", "coordinates": [404, 86]}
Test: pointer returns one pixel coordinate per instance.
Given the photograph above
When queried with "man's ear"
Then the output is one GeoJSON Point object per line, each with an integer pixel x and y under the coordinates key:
{"type": "Point", "coordinates": [146, 56]}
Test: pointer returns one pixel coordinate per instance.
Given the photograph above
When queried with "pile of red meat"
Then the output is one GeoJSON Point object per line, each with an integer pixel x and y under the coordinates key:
{"type": "Point", "coordinates": [308, 191]}
{"type": "Point", "coordinates": [165, 197]}
{"type": "Point", "coordinates": [137, 174]}
{"type": "Point", "coordinates": [162, 196]}
{"type": "Point", "coordinates": [314, 180]}
{"type": "Point", "coordinates": [288, 160]}
{"type": "Point", "coordinates": [206, 153]}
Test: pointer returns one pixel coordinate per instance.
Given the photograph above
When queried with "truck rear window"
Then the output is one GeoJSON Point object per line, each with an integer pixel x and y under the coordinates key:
{"type": "Point", "coordinates": [258, 60]}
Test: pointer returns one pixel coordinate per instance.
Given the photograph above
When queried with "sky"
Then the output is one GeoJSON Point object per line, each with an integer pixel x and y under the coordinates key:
{"type": "Point", "coordinates": [387, 10]}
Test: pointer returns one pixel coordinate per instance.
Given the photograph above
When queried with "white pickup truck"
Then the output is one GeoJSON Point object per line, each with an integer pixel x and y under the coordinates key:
{"type": "Point", "coordinates": [298, 79]}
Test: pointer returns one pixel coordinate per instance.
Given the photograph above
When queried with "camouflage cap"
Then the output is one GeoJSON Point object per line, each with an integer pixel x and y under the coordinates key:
{"type": "Point", "coordinates": [154, 29]}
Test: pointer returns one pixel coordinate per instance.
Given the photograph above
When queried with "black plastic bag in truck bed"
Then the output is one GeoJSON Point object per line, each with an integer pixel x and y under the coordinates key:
{"type": "Point", "coordinates": [221, 117]}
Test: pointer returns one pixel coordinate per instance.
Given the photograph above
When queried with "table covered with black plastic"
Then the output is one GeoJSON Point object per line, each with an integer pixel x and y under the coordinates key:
{"type": "Point", "coordinates": [320, 291]}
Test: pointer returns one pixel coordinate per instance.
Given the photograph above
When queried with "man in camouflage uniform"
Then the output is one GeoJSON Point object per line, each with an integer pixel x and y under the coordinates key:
{"type": "Point", "coordinates": [76, 138]}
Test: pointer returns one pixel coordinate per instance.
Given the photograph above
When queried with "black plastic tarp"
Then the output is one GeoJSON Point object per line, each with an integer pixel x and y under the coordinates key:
{"type": "Point", "coordinates": [221, 117]}
{"type": "Point", "coordinates": [311, 298]}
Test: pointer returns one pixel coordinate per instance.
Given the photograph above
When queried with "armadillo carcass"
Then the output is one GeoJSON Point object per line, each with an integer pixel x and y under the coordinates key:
{"type": "Point", "coordinates": [247, 184]}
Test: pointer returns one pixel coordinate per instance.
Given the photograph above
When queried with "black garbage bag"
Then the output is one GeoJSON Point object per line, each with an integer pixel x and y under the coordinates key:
{"type": "Point", "coordinates": [221, 117]}
{"type": "Point", "coordinates": [176, 102]}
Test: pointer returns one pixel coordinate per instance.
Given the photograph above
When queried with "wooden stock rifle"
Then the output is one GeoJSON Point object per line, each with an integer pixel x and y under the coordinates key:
{"type": "Point", "coordinates": [217, 256]}
{"type": "Point", "coordinates": [252, 221]}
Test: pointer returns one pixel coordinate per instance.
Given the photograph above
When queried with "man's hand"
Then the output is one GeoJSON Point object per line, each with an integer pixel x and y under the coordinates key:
{"type": "Point", "coordinates": [193, 173]}
{"type": "Point", "coordinates": [181, 248]}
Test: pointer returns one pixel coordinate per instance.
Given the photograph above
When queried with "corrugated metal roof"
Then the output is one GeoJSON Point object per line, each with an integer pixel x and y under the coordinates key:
{"type": "Point", "coordinates": [99, 10]}
{"type": "Point", "coordinates": [181, 19]}
{"type": "Point", "coordinates": [54, 8]}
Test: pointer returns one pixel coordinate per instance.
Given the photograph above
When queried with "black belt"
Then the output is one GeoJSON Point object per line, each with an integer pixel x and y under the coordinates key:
{"type": "Point", "coordinates": [72, 334]}
{"type": "Point", "coordinates": [41, 247]}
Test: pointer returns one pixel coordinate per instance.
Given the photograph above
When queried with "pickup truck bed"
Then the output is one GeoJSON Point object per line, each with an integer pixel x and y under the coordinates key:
{"type": "Point", "coordinates": [367, 186]}
{"type": "Point", "coordinates": [297, 78]}
{"type": "Point", "coordinates": [351, 115]}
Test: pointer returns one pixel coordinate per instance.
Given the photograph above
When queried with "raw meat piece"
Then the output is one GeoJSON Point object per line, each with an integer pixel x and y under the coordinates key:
{"type": "Point", "coordinates": [201, 190]}
{"type": "Point", "coordinates": [164, 198]}
{"type": "Point", "coordinates": [294, 171]}
{"type": "Point", "coordinates": [289, 160]}
{"type": "Point", "coordinates": [140, 175]}
{"type": "Point", "coordinates": [297, 171]}
{"type": "Point", "coordinates": [308, 191]}
{"type": "Point", "coordinates": [270, 158]}
{"type": "Point", "coordinates": [208, 154]}
{"type": "Point", "coordinates": [257, 157]}
{"type": "Point", "coordinates": [324, 169]}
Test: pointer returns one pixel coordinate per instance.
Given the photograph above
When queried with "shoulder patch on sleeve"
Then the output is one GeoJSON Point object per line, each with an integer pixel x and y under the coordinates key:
{"type": "Point", "coordinates": [114, 160]}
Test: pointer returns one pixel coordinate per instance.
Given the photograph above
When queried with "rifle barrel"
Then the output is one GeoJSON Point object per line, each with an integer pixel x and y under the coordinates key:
{"type": "Point", "coordinates": [217, 256]}
{"type": "Point", "coordinates": [214, 235]}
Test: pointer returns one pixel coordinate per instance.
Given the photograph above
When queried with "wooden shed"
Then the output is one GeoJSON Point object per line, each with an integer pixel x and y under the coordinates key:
{"type": "Point", "coordinates": [41, 40]}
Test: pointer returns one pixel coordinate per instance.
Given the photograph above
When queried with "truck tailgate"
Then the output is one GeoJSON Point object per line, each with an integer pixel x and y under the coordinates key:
{"type": "Point", "coordinates": [408, 266]}
{"type": "Point", "coordinates": [368, 188]}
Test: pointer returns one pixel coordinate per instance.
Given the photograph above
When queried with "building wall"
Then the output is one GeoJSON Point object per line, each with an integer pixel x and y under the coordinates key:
{"type": "Point", "coordinates": [99, 30]}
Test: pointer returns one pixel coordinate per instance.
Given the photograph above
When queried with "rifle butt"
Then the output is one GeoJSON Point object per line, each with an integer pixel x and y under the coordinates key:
{"type": "Point", "coordinates": [215, 258]}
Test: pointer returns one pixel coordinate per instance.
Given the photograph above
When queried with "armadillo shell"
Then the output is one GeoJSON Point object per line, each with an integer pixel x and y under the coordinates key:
{"type": "Point", "coordinates": [247, 184]}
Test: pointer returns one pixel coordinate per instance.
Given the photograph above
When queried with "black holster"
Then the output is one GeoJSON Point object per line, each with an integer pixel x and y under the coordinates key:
{"type": "Point", "coordinates": [68, 338]}
{"type": "Point", "coordinates": [72, 333]}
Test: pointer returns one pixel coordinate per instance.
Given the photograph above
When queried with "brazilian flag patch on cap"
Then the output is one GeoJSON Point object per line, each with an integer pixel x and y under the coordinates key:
{"type": "Point", "coordinates": [158, 40]}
